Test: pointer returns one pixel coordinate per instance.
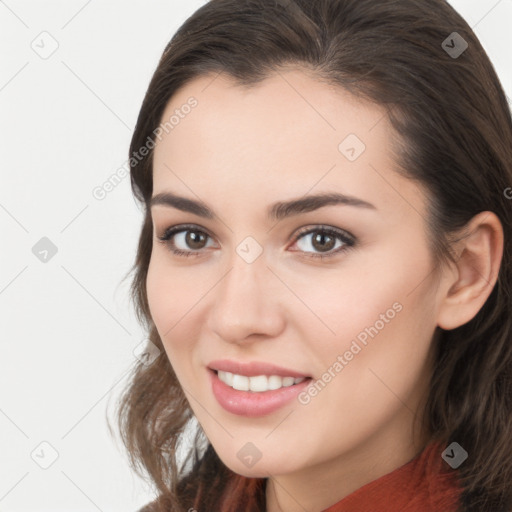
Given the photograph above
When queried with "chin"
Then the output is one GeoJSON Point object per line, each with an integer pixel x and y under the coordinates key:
{"type": "Point", "coordinates": [261, 469]}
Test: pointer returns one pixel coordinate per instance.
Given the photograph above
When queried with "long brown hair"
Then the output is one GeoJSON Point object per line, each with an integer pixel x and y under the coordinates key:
{"type": "Point", "coordinates": [453, 129]}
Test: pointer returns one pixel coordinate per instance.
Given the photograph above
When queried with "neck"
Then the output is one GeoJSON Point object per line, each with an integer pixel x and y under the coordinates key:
{"type": "Point", "coordinates": [318, 487]}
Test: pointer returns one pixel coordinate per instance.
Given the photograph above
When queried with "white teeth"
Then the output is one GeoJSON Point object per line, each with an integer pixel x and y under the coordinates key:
{"type": "Point", "coordinates": [240, 382]}
{"type": "Point", "coordinates": [275, 382]}
{"type": "Point", "coordinates": [258, 383]}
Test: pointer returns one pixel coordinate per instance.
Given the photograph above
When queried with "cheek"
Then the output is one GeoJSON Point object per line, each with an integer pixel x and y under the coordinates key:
{"type": "Point", "coordinates": [384, 328]}
{"type": "Point", "coordinates": [167, 300]}
{"type": "Point", "coordinates": [174, 303]}
{"type": "Point", "coordinates": [374, 369]}
{"type": "Point", "coordinates": [384, 306]}
{"type": "Point", "coordinates": [170, 292]}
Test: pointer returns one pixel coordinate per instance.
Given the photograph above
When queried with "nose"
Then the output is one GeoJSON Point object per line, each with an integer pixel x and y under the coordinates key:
{"type": "Point", "coordinates": [248, 301]}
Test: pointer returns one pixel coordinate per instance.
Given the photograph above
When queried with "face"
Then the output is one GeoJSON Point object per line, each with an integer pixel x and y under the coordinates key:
{"type": "Point", "coordinates": [339, 292]}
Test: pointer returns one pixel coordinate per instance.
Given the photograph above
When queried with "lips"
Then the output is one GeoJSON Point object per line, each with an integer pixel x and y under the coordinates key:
{"type": "Point", "coordinates": [254, 368]}
{"type": "Point", "coordinates": [250, 403]}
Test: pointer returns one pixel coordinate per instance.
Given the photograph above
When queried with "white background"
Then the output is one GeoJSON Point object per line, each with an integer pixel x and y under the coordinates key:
{"type": "Point", "coordinates": [67, 328]}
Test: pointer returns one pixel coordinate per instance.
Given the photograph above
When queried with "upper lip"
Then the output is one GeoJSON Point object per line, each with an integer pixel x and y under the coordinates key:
{"type": "Point", "coordinates": [253, 368]}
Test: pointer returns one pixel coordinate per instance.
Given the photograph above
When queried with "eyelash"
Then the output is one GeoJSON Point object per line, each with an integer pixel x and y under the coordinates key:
{"type": "Point", "coordinates": [346, 238]}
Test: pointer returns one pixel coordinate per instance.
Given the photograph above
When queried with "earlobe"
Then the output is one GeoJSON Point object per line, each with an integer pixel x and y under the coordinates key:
{"type": "Point", "coordinates": [477, 268]}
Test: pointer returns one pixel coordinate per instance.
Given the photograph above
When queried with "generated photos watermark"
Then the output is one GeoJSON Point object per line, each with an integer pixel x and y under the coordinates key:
{"type": "Point", "coordinates": [341, 361]}
{"type": "Point", "coordinates": [101, 191]}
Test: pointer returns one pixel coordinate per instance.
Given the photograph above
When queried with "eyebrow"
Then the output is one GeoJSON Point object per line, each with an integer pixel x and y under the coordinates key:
{"type": "Point", "coordinates": [276, 211]}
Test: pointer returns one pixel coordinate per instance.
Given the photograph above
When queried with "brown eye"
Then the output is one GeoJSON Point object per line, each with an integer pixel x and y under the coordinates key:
{"type": "Point", "coordinates": [324, 240]}
{"type": "Point", "coordinates": [184, 240]}
{"type": "Point", "coordinates": [195, 239]}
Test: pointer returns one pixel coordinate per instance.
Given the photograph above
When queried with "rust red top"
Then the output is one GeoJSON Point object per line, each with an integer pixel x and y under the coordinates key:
{"type": "Point", "coordinates": [424, 484]}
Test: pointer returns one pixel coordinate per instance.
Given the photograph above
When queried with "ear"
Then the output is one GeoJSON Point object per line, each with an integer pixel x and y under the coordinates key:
{"type": "Point", "coordinates": [472, 280]}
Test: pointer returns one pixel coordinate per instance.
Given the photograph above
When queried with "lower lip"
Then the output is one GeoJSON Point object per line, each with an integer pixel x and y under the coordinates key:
{"type": "Point", "coordinates": [251, 403]}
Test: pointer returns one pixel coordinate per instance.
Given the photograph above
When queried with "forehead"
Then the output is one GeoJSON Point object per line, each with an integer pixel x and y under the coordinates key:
{"type": "Point", "coordinates": [287, 135]}
{"type": "Point", "coordinates": [287, 104]}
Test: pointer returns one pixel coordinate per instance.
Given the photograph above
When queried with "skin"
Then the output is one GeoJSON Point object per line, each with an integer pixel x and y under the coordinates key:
{"type": "Point", "coordinates": [239, 151]}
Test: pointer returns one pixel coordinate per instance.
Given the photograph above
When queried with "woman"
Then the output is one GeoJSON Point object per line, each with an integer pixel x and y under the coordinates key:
{"type": "Point", "coordinates": [324, 264]}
